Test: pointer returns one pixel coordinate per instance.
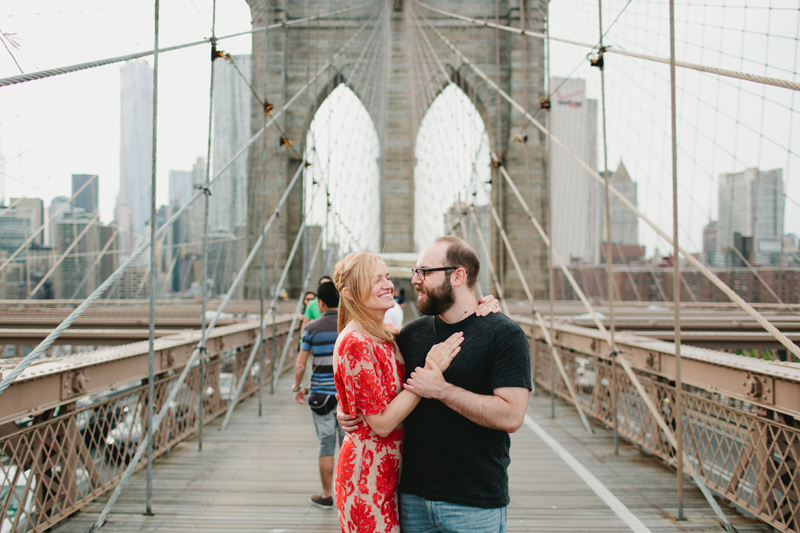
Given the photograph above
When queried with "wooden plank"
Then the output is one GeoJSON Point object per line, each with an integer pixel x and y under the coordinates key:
{"type": "Point", "coordinates": [259, 474]}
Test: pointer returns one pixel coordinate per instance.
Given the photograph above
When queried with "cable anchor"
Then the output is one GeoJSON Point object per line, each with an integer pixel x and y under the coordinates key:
{"type": "Point", "coordinates": [216, 53]}
{"type": "Point", "coordinates": [520, 138]}
{"type": "Point", "coordinates": [268, 107]}
{"type": "Point", "coordinates": [206, 190]}
{"type": "Point", "coordinates": [544, 103]}
{"type": "Point", "coordinates": [596, 60]}
{"type": "Point", "coordinates": [496, 163]}
{"type": "Point", "coordinates": [285, 141]}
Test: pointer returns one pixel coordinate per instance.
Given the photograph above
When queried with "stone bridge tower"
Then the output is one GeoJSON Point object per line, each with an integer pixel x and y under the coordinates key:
{"type": "Point", "coordinates": [285, 59]}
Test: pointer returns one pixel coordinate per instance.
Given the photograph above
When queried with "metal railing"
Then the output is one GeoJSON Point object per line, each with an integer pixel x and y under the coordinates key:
{"type": "Point", "coordinates": [62, 458]}
{"type": "Point", "coordinates": [745, 452]}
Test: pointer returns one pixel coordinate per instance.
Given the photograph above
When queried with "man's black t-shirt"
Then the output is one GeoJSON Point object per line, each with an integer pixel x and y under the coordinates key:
{"type": "Point", "coordinates": [447, 457]}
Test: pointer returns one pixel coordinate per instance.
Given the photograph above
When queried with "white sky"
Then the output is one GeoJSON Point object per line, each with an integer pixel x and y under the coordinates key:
{"type": "Point", "coordinates": [53, 128]}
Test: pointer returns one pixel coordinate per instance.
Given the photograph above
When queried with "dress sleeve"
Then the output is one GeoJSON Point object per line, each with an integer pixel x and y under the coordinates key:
{"type": "Point", "coordinates": [361, 372]}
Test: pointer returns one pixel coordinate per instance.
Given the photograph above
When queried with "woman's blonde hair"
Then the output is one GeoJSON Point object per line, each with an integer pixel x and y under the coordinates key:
{"type": "Point", "coordinates": [356, 272]}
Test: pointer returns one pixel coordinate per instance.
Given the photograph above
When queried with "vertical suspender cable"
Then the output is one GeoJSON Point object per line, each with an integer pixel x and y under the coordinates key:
{"type": "Point", "coordinates": [550, 211]}
{"type": "Point", "coordinates": [609, 261]}
{"type": "Point", "coordinates": [203, 339]}
{"type": "Point", "coordinates": [676, 269]}
{"type": "Point", "coordinates": [153, 276]}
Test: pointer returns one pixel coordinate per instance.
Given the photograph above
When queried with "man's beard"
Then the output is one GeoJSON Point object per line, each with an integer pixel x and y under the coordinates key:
{"type": "Point", "coordinates": [437, 300]}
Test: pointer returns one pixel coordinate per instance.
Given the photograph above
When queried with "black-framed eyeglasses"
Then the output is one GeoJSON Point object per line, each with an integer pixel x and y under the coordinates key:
{"type": "Point", "coordinates": [423, 272]}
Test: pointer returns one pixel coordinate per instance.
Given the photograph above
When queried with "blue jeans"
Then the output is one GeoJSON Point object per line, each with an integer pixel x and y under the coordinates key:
{"type": "Point", "coordinates": [418, 515]}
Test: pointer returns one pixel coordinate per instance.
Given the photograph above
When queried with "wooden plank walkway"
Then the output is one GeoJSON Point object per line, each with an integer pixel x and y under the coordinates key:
{"type": "Point", "coordinates": [259, 474]}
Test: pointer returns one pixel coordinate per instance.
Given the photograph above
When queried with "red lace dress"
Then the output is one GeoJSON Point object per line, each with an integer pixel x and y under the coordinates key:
{"type": "Point", "coordinates": [368, 375]}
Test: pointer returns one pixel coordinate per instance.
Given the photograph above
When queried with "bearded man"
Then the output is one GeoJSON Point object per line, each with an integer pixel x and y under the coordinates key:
{"type": "Point", "coordinates": [456, 450]}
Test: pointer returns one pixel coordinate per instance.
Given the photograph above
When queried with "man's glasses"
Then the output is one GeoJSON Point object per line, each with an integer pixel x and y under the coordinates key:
{"type": "Point", "coordinates": [422, 273]}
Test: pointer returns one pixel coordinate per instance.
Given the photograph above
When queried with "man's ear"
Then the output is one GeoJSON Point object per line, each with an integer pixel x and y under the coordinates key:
{"type": "Point", "coordinates": [459, 277]}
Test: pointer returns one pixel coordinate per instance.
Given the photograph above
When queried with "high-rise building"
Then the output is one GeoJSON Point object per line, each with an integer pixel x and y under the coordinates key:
{"type": "Point", "coordinates": [68, 277]}
{"type": "Point", "coordinates": [180, 186]}
{"type": "Point", "coordinates": [751, 203]}
{"type": "Point", "coordinates": [710, 236]}
{"type": "Point", "coordinates": [184, 241]}
{"type": "Point", "coordinates": [232, 95]}
{"type": "Point", "coordinates": [89, 198]}
{"type": "Point", "coordinates": [20, 222]}
{"type": "Point", "coordinates": [576, 215]}
{"type": "Point", "coordinates": [136, 148]}
{"type": "Point", "coordinates": [624, 222]}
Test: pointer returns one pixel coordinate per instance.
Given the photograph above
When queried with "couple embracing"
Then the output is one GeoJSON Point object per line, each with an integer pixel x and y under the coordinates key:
{"type": "Point", "coordinates": [428, 409]}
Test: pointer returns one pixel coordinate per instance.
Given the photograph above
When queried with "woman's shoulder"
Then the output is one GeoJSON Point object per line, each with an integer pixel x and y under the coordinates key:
{"type": "Point", "coordinates": [354, 337]}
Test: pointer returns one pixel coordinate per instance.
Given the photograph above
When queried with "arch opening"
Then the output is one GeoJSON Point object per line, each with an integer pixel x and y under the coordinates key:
{"type": "Point", "coordinates": [342, 149]}
{"type": "Point", "coordinates": [452, 168]}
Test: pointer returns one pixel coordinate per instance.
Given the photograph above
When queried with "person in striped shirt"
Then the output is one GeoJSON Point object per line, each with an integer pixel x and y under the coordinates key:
{"type": "Point", "coordinates": [318, 340]}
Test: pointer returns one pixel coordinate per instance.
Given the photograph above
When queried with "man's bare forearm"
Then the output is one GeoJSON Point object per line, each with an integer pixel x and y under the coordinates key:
{"type": "Point", "coordinates": [503, 411]}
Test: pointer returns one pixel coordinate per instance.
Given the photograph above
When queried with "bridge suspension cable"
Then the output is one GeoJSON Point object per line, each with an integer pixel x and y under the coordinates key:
{"type": "Point", "coordinates": [40, 349]}
{"type": "Point", "coordinates": [689, 257]}
{"type": "Point", "coordinates": [776, 82]}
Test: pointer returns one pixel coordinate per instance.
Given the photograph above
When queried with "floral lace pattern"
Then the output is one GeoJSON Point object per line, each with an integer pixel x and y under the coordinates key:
{"type": "Point", "coordinates": [368, 376]}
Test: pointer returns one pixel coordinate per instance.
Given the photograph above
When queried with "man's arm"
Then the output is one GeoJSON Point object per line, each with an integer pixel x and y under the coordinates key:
{"type": "Point", "coordinates": [299, 372]}
{"type": "Point", "coordinates": [503, 410]}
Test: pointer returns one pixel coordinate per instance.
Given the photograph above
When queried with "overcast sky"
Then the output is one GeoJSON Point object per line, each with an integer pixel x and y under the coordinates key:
{"type": "Point", "coordinates": [53, 128]}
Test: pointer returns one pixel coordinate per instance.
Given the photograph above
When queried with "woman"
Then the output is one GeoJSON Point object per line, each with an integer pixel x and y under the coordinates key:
{"type": "Point", "coordinates": [369, 374]}
{"type": "Point", "coordinates": [309, 297]}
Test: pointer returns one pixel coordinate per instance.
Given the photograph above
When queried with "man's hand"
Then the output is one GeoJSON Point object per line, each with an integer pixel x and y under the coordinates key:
{"type": "Point", "coordinates": [427, 382]}
{"type": "Point", "coordinates": [298, 397]}
{"type": "Point", "coordinates": [349, 424]}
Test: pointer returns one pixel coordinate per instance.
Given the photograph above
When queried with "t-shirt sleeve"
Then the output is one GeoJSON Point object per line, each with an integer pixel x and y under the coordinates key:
{"type": "Point", "coordinates": [312, 310]}
{"type": "Point", "coordinates": [361, 374]}
{"type": "Point", "coordinates": [512, 360]}
{"type": "Point", "coordinates": [305, 340]}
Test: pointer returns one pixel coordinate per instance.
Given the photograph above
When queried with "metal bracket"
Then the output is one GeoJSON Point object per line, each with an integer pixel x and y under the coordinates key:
{"type": "Point", "coordinates": [760, 388]}
{"type": "Point", "coordinates": [167, 359]}
{"type": "Point", "coordinates": [653, 361]}
{"type": "Point", "coordinates": [73, 383]}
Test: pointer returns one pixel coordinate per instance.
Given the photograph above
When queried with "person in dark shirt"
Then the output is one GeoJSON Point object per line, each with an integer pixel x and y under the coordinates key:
{"type": "Point", "coordinates": [456, 449]}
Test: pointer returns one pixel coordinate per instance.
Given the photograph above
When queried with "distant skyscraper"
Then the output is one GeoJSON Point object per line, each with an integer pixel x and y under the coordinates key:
{"type": "Point", "coordinates": [20, 222]}
{"type": "Point", "coordinates": [136, 148]}
{"type": "Point", "coordinates": [576, 217]}
{"type": "Point", "coordinates": [751, 203]}
{"type": "Point", "coordinates": [710, 237]}
{"type": "Point", "coordinates": [228, 206]}
{"type": "Point", "coordinates": [89, 197]}
{"type": "Point", "coordinates": [624, 222]}
{"type": "Point", "coordinates": [180, 186]}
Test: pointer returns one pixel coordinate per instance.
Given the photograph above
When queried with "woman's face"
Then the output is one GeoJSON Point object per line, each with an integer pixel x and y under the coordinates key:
{"type": "Point", "coordinates": [381, 295]}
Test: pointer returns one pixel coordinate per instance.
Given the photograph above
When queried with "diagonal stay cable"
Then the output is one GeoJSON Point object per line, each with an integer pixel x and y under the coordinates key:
{"type": "Point", "coordinates": [195, 353]}
{"type": "Point", "coordinates": [792, 347]}
{"type": "Point", "coordinates": [41, 74]}
{"type": "Point", "coordinates": [40, 349]}
{"type": "Point", "coordinates": [295, 22]}
{"type": "Point", "coordinates": [30, 239]}
{"type": "Point", "coordinates": [777, 82]}
{"type": "Point", "coordinates": [254, 350]}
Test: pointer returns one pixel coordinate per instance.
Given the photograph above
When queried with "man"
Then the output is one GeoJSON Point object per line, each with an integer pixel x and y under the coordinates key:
{"type": "Point", "coordinates": [318, 340]}
{"type": "Point", "coordinates": [456, 450]}
{"type": "Point", "coordinates": [313, 311]}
